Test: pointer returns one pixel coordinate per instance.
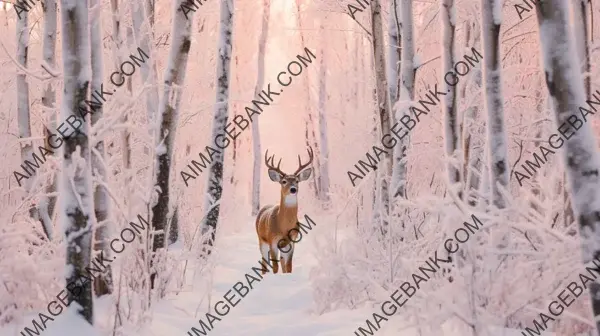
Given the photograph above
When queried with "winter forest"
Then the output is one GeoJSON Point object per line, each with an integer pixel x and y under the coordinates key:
{"type": "Point", "coordinates": [299, 167]}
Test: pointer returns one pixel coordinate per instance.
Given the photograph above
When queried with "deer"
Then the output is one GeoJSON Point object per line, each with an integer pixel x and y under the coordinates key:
{"type": "Point", "coordinates": [275, 222]}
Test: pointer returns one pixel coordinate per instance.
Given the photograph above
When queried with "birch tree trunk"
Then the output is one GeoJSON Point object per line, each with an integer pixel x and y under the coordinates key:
{"type": "Point", "coordinates": [143, 33]}
{"type": "Point", "coordinates": [307, 141]}
{"type": "Point", "coordinates": [582, 39]}
{"type": "Point", "coordinates": [23, 113]}
{"type": "Point", "coordinates": [451, 136]}
{"type": "Point", "coordinates": [313, 180]}
{"type": "Point", "coordinates": [214, 187]}
{"type": "Point", "coordinates": [449, 106]}
{"type": "Point", "coordinates": [394, 75]}
{"type": "Point", "coordinates": [116, 31]}
{"type": "Point", "coordinates": [324, 192]}
{"type": "Point", "coordinates": [311, 137]}
{"type": "Point", "coordinates": [493, 99]}
{"type": "Point", "coordinates": [580, 9]}
{"type": "Point", "coordinates": [471, 134]}
{"type": "Point", "coordinates": [48, 204]}
{"type": "Point", "coordinates": [407, 92]}
{"type": "Point", "coordinates": [120, 53]}
{"type": "Point", "coordinates": [257, 160]}
{"type": "Point", "coordinates": [313, 141]}
{"type": "Point", "coordinates": [351, 90]}
{"type": "Point", "coordinates": [394, 53]}
{"type": "Point", "coordinates": [383, 105]}
{"type": "Point", "coordinates": [76, 182]}
{"type": "Point", "coordinates": [167, 117]}
{"type": "Point", "coordinates": [103, 284]}
{"type": "Point", "coordinates": [582, 162]}
{"type": "Point", "coordinates": [151, 6]}
{"type": "Point", "coordinates": [173, 236]}
{"type": "Point", "coordinates": [142, 27]}
{"type": "Point", "coordinates": [233, 180]}
{"type": "Point", "coordinates": [497, 148]}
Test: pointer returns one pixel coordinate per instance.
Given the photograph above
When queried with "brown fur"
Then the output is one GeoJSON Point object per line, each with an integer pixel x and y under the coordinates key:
{"type": "Point", "coordinates": [274, 222]}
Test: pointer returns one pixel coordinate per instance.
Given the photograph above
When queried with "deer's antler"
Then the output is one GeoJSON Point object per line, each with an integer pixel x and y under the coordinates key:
{"type": "Point", "coordinates": [310, 160]}
{"type": "Point", "coordinates": [271, 164]}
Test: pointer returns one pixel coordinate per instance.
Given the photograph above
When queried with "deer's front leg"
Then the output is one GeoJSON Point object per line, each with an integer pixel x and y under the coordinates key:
{"type": "Point", "coordinates": [287, 253]}
{"type": "Point", "coordinates": [274, 260]}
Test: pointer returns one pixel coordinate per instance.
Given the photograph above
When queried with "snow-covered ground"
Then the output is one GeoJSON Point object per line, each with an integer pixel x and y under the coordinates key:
{"type": "Point", "coordinates": [279, 304]}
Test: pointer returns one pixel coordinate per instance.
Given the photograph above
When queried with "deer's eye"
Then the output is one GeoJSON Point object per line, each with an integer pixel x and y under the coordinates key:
{"type": "Point", "coordinates": [284, 182]}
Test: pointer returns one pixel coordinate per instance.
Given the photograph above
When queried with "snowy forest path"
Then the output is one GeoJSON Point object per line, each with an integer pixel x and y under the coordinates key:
{"type": "Point", "coordinates": [278, 304]}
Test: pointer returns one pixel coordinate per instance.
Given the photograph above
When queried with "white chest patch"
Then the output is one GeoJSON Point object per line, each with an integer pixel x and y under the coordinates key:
{"type": "Point", "coordinates": [291, 200]}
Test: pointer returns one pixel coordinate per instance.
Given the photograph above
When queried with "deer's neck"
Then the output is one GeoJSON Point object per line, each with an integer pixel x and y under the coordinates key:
{"type": "Point", "coordinates": [288, 209]}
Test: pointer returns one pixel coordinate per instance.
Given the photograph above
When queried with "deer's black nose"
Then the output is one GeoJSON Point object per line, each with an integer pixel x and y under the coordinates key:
{"type": "Point", "coordinates": [293, 190]}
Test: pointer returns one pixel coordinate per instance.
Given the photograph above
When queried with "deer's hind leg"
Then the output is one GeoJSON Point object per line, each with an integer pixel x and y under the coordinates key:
{"type": "Point", "coordinates": [264, 251]}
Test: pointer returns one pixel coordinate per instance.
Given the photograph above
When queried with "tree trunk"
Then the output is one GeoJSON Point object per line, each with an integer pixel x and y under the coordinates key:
{"type": "Point", "coordinates": [214, 187]}
{"type": "Point", "coordinates": [407, 92]}
{"type": "Point", "coordinates": [449, 108]}
{"type": "Point", "coordinates": [315, 144]}
{"type": "Point", "coordinates": [497, 147]}
{"type": "Point", "coordinates": [143, 26]}
{"type": "Point", "coordinates": [310, 124]}
{"type": "Point", "coordinates": [174, 226]}
{"type": "Point", "coordinates": [48, 204]}
{"type": "Point", "coordinates": [116, 32]}
{"type": "Point", "coordinates": [103, 284]}
{"type": "Point", "coordinates": [120, 50]}
{"type": "Point", "coordinates": [262, 42]}
{"type": "Point", "coordinates": [120, 53]}
{"type": "Point", "coordinates": [451, 129]}
{"type": "Point", "coordinates": [582, 162]}
{"type": "Point", "coordinates": [383, 106]}
{"type": "Point", "coordinates": [394, 51]}
{"type": "Point", "coordinates": [167, 118]}
{"type": "Point", "coordinates": [151, 6]}
{"type": "Point", "coordinates": [313, 180]}
{"type": "Point", "coordinates": [76, 181]}
{"type": "Point", "coordinates": [141, 13]}
{"type": "Point", "coordinates": [324, 169]}
{"type": "Point", "coordinates": [471, 133]}
{"type": "Point", "coordinates": [538, 196]}
{"type": "Point", "coordinates": [234, 149]}
{"type": "Point", "coordinates": [580, 9]}
{"type": "Point", "coordinates": [394, 75]}
{"type": "Point", "coordinates": [494, 101]}
{"type": "Point", "coordinates": [23, 114]}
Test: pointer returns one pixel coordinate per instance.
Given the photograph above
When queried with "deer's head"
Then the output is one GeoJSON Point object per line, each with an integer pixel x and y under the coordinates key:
{"type": "Point", "coordinates": [289, 183]}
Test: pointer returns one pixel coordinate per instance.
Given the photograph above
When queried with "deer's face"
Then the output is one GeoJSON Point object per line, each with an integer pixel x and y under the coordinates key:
{"type": "Point", "coordinates": [289, 183]}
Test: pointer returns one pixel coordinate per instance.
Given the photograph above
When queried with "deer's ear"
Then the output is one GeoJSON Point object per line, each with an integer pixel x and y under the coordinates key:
{"type": "Point", "coordinates": [304, 175]}
{"type": "Point", "coordinates": [274, 175]}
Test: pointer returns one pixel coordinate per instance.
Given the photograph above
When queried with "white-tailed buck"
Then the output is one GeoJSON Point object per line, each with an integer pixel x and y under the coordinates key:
{"type": "Point", "coordinates": [274, 223]}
